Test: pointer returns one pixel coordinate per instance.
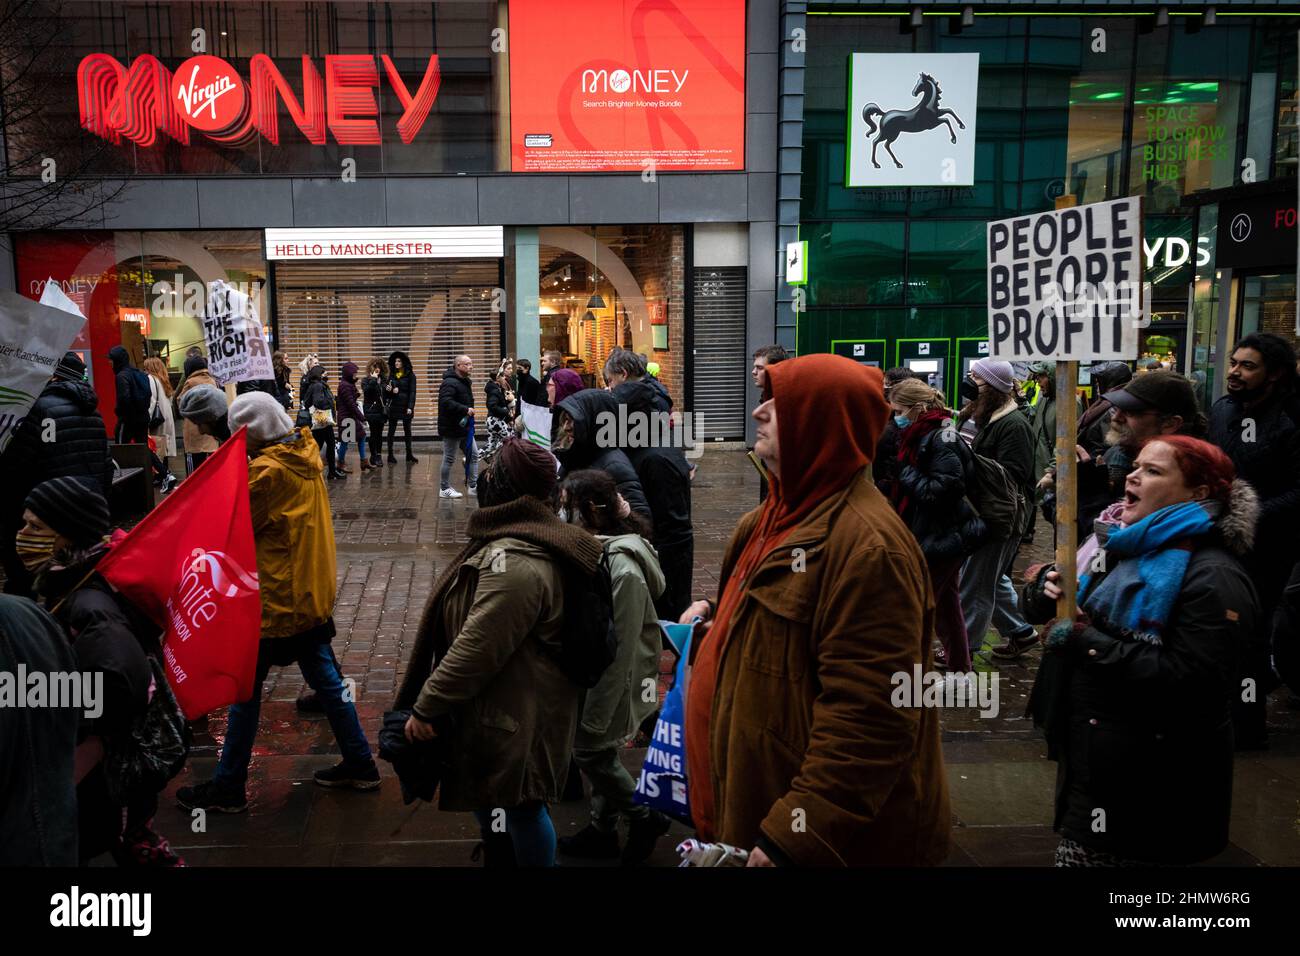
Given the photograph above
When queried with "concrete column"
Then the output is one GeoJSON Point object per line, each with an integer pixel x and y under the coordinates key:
{"type": "Point", "coordinates": [523, 331]}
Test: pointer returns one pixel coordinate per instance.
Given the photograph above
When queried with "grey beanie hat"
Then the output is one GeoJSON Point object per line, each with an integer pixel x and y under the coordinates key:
{"type": "Point", "coordinates": [264, 416]}
{"type": "Point", "coordinates": [203, 404]}
{"type": "Point", "coordinates": [999, 375]}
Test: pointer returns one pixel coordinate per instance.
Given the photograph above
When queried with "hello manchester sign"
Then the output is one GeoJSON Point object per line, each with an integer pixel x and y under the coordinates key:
{"type": "Point", "coordinates": [208, 96]}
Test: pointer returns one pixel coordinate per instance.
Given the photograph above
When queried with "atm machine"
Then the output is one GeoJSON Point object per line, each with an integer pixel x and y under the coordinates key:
{"type": "Point", "coordinates": [928, 358]}
{"type": "Point", "coordinates": [866, 351]}
{"type": "Point", "coordinates": [968, 350]}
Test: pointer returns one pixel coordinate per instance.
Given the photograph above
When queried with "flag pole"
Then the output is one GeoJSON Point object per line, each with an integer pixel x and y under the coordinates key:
{"type": "Point", "coordinates": [1067, 487]}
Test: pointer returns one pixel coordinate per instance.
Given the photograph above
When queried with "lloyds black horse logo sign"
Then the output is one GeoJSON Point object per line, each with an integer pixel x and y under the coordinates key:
{"type": "Point", "coordinates": [925, 115]}
{"type": "Point", "coordinates": [888, 145]}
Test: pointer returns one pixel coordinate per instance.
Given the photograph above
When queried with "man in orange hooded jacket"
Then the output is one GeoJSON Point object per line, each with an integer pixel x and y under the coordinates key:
{"type": "Point", "coordinates": [793, 746]}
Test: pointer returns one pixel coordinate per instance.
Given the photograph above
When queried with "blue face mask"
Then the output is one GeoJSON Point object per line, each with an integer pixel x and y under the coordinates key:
{"type": "Point", "coordinates": [901, 421]}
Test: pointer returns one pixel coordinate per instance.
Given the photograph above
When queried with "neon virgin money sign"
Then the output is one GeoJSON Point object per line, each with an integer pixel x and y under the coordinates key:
{"type": "Point", "coordinates": [207, 95]}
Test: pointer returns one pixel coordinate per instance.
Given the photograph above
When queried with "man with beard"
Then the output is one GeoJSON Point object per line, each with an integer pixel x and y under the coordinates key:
{"type": "Point", "coordinates": [1257, 424]}
{"type": "Point", "coordinates": [1155, 403]}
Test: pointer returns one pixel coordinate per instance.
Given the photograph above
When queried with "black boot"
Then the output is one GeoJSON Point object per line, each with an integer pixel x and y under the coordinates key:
{"type": "Point", "coordinates": [590, 844]}
{"type": "Point", "coordinates": [642, 835]}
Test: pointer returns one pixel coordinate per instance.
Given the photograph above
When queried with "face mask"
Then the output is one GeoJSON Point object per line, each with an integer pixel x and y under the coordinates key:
{"type": "Point", "coordinates": [968, 390]}
{"type": "Point", "coordinates": [901, 421]}
{"type": "Point", "coordinates": [35, 548]}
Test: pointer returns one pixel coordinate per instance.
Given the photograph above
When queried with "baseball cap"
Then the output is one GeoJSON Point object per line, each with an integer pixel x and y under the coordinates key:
{"type": "Point", "coordinates": [1162, 391]}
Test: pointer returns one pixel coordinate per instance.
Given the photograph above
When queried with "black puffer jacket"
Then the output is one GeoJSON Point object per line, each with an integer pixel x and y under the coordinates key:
{"type": "Point", "coordinates": [586, 407]}
{"type": "Point", "coordinates": [1142, 731]}
{"type": "Point", "coordinates": [315, 393]}
{"type": "Point", "coordinates": [79, 449]}
{"type": "Point", "coordinates": [498, 406]}
{"type": "Point", "coordinates": [400, 390]}
{"type": "Point", "coordinates": [663, 471]}
{"type": "Point", "coordinates": [455, 399]}
{"type": "Point", "coordinates": [375, 400]}
{"type": "Point", "coordinates": [937, 511]}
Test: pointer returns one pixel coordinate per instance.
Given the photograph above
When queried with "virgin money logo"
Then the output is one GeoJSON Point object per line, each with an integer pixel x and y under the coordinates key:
{"type": "Point", "coordinates": [635, 81]}
{"type": "Point", "coordinates": [209, 94]}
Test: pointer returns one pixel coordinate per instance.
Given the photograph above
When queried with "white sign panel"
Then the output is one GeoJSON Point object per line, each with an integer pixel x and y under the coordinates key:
{"type": "Point", "coordinates": [1067, 284]}
{"type": "Point", "coordinates": [911, 119]}
{"type": "Point", "coordinates": [537, 424]}
{"type": "Point", "coordinates": [426, 242]}
{"type": "Point", "coordinates": [33, 337]}
{"type": "Point", "coordinates": [796, 263]}
{"type": "Point", "coordinates": [237, 350]}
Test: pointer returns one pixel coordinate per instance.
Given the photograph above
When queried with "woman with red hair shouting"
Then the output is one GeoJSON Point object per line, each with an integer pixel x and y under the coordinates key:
{"type": "Point", "coordinates": [1134, 695]}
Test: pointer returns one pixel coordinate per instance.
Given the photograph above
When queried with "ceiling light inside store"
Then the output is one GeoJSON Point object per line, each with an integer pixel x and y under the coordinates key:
{"type": "Point", "coordinates": [596, 302]}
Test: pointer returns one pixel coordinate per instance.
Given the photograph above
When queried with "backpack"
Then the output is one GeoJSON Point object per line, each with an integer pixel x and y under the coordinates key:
{"type": "Point", "coordinates": [994, 494]}
{"type": "Point", "coordinates": [588, 641]}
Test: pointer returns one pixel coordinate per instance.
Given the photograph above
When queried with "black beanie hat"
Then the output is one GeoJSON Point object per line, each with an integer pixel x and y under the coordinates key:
{"type": "Point", "coordinates": [70, 368]}
{"type": "Point", "coordinates": [71, 508]}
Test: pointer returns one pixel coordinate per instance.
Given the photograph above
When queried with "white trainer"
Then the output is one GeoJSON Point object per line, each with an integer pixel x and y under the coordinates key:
{"type": "Point", "coordinates": [450, 493]}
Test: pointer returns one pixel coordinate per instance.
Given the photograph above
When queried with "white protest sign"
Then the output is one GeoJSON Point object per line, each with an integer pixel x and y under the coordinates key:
{"type": "Point", "coordinates": [537, 424]}
{"type": "Point", "coordinates": [237, 350]}
{"type": "Point", "coordinates": [33, 337]}
{"type": "Point", "coordinates": [1066, 285]}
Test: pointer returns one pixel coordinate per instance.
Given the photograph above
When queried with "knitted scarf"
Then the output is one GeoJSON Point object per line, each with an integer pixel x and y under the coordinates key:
{"type": "Point", "coordinates": [1138, 592]}
{"type": "Point", "coordinates": [526, 518]}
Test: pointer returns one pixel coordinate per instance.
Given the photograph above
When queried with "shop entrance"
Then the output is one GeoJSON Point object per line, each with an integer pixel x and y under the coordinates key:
{"type": "Point", "coordinates": [431, 309]}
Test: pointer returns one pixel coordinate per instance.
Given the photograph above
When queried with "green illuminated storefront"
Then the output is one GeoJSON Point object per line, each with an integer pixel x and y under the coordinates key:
{"type": "Point", "coordinates": [1194, 116]}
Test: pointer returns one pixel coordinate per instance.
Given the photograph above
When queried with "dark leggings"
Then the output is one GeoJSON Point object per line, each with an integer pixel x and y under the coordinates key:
{"type": "Point", "coordinates": [392, 431]}
{"type": "Point", "coordinates": [375, 424]}
{"type": "Point", "coordinates": [325, 438]}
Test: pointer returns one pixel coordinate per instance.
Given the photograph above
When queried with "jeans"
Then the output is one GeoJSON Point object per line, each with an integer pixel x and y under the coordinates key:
{"type": "Point", "coordinates": [987, 596]}
{"type": "Point", "coordinates": [449, 448]}
{"type": "Point", "coordinates": [361, 450]}
{"type": "Point", "coordinates": [531, 829]}
{"type": "Point", "coordinates": [612, 788]}
{"type": "Point", "coordinates": [322, 675]}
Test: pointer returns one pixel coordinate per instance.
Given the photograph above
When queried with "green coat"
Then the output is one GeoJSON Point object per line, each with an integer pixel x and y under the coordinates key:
{"type": "Point", "coordinates": [513, 711]}
{"type": "Point", "coordinates": [616, 706]}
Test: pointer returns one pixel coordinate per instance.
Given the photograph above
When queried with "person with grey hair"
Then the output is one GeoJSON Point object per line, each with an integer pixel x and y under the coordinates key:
{"type": "Point", "coordinates": [456, 424]}
{"type": "Point", "coordinates": [624, 365]}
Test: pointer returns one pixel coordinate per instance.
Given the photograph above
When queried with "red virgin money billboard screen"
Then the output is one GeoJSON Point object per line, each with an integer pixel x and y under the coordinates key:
{"type": "Point", "coordinates": [603, 85]}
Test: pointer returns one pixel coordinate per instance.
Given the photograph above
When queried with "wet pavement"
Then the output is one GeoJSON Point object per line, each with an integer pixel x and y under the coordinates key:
{"type": "Point", "coordinates": [393, 535]}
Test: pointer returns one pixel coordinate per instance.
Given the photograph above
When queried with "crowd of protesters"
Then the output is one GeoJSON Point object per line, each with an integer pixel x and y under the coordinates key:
{"type": "Point", "coordinates": [883, 544]}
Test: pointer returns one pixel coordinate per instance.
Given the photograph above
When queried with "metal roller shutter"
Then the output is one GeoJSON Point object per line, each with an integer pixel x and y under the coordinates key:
{"type": "Point", "coordinates": [718, 391]}
{"type": "Point", "coordinates": [432, 309]}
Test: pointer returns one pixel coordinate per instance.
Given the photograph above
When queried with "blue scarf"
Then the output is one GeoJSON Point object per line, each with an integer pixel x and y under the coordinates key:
{"type": "Point", "coordinates": [1139, 591]}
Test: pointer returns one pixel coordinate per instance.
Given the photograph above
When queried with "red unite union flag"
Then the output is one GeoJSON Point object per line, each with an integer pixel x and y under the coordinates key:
{"type": "Point", "coordinates": [191, 566]}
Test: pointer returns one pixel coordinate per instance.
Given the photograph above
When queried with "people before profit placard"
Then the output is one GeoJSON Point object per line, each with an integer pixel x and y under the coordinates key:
{"type": "Point", "coordinates": [1065, 284]}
